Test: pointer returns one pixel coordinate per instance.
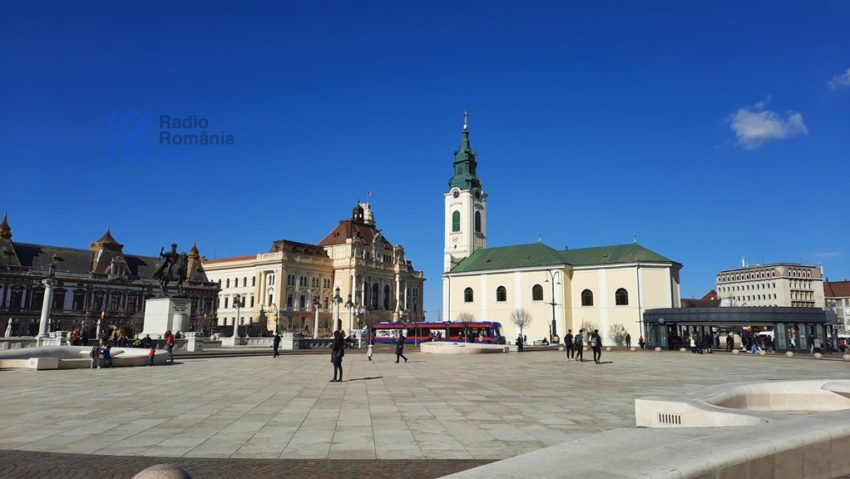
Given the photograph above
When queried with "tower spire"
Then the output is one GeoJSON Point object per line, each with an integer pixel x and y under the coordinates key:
{"type": "Point", "coordinates": [465, 120]}
{"type": "Point", "coordinates": [465, 165]}
{"type": "Point", "coordinates": [5, 229]}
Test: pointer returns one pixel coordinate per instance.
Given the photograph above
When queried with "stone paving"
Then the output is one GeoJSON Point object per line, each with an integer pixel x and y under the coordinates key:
{"type": "Point", "coordinates": [481, 407]}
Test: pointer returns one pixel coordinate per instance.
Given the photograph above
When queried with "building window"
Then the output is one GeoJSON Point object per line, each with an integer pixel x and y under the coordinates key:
{"type": "Point", "coordinates": [244, 282]}
{"type": "Point", "coordinates": [227, 283]}
{"type": "Point", "coordinates": [501, 294]}
{"type": "Point", "coordinates": [59, 300]}
{"type": "Point", "coordinates": [375, 296]}
{"type": "Point", "coordinates": [252, 302]}
{"type": "Point", "coordinates": [621, 297]}
{"type": "Point", "coordinates": [537, 293]}
{"type": "Point", "coordinates": [387, 297]}
{"type": "Point", "coordinates": [468, 296]}
{"type": "Point", "coordinates": [455, 221]}
{"type": "Point", "coordinates": [587, 298]}
{"type": "Point", "coordinates": [477, 221]}
{"type": "Point", "coordinates": [226, 299]}
{"type": "Point", "coordinates": [79, 302]}
{"type": "Point", "coordinates": [253, 280]}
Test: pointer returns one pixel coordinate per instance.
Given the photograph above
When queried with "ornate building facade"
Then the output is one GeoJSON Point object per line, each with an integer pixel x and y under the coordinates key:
{"type": "Point", "coordinates": [605, 288]}
{"type": "Point", "coordinates": [354, 268]}
{"type": "Point", "coordinates": [90, 282]}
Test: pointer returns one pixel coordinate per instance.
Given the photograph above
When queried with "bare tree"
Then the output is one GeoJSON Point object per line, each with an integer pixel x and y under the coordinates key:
{"type": "Point", "coordinates": [521, 319]}
{"type": "Point", "coordinates": [588, 326]}
{"type": "Point", "coordinates": [464, 318]}
{"type": "Point", "coordinates": [617, 333]}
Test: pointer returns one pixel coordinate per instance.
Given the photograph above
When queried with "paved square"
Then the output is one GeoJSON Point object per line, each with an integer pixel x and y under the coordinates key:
{"type": "Point", "coordinates": [489, 406]}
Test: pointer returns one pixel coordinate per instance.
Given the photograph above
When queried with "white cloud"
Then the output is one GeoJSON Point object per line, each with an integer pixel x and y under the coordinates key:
{"type": "Point", "coordinates": [840, 81]}
{"type": "Point", "coordinates": [755, 125]}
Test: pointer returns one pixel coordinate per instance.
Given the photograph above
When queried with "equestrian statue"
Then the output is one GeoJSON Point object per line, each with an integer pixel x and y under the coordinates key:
{"type": "Point", "coordinates": [172, 268]}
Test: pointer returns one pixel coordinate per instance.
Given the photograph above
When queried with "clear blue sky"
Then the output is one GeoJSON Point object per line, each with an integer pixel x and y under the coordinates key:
{"type": "Point", "coordinates": [713, 130]}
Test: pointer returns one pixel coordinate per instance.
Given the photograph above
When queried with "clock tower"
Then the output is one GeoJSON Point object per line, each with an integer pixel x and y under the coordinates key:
{"type": "Point", "coordinates": [465, 206]}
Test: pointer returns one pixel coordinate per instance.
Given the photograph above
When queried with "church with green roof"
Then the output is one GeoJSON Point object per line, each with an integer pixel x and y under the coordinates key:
{"type": "Point", "coordinates": [602, 287]}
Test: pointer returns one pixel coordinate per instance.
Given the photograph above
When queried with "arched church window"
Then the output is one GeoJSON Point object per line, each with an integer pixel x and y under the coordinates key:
{"type": "Point", "coordinates": [621, 297]}
{"type": "Point", "coordinates": [477, 221]}
{"type": "Point", "coordinates": [587, 298]}
{"type": "Point", "coordinates": [455, 221]}
{"type": "Point", "coordinates": [501, 294]}
{"type": "Point", "coordinates": [467, 295]}
{"type": "Point", "coordinates": [537, 293]}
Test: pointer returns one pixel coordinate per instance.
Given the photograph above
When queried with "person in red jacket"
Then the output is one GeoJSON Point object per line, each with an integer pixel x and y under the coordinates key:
{"type": "Point", "coordinates": [169, 346]}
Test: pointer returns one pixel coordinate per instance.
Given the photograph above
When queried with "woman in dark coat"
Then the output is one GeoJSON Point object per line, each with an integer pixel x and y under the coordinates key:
{"type": "Point", "coordinates": [399, 347]}
{"type": "Point", "coordinates": [337, 352]}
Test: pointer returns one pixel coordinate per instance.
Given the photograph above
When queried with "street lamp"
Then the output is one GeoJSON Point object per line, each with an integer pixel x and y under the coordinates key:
{"type": "Point", "coordinates": [337, 299]}
{"type": "Point", "coordinates": [553, 275]}
{"type": "Point", "coordinates": [237, 301]}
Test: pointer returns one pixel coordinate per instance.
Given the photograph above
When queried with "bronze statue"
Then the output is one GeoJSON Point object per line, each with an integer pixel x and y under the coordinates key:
{"type": "Point", "coordinates": [172, 268]}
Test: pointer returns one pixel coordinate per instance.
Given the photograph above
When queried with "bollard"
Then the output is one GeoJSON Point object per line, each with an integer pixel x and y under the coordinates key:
{"type": "Point", "coordinates": [633, 349]}
{"type": "Point", "coordinates": [607, 349]}
{"type": "Point", "coordinates": [736, 351]}
{"type": "Point", "coordinates": [789, 354]}
{"type": "Point", "coordinates": [846, 357]}
{"type": "Point", "coordinates": [762, 352]}
{"type": "Point", "coordinates": [683, 350]}
{"type": "Point", "coordinates": [658, 349]}
{"type": "Point", "coordinates": [818, 356]}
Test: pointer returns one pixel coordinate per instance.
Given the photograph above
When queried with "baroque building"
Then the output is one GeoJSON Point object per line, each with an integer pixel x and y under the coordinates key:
{"type": "Point", "coordinates": [100, 280]}
{"type": "Point", "coordinates": [354, 267]}
{"type": "Point", "coordinates": [605, 288]}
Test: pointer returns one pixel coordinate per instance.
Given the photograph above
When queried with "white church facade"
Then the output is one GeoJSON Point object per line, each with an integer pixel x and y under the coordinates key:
{"type": "Point", "coordinates": [606, 288]}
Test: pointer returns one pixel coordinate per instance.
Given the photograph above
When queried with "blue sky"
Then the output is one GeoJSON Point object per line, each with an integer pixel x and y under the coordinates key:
{"type": "Point", "coordinates": [713, 130]}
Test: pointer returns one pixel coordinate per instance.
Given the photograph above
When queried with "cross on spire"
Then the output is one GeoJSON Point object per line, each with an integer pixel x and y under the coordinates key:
{"type": "Point", "coordinates": [465, 120]}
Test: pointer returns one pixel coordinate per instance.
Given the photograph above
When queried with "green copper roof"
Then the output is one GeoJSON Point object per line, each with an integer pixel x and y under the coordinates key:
{"type": "Point", "coordinates": [465, 165]}
{"type": "Point", "coordinates": [621, 253]}
{"type": "Point", "coordinates": [538, 254]}
{"type": "Point", "coordinates": [508, 257]}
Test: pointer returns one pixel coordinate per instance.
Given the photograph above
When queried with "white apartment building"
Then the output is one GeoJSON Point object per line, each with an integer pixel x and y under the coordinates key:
{"type": "Point", "coordinates": [779, 284]}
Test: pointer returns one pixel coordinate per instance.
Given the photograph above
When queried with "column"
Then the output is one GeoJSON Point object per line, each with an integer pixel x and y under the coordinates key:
{"type": "Point", "coordinates": [46, 303]}
{"type": "Point", "coordinates": [316, 323]}
{"type": "Point", "coordinates": [397, 293]}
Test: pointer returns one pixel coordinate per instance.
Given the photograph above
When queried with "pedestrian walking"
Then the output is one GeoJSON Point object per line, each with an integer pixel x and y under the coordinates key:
{"type": "Point", "coordinates": [399, 347]}
{"type": "Point", "coordinates": [94, 354]}
{"type": "Point", "coordinates": [169, 346]}
{"type": "Point", "coordinates": [568, 344]}
{"type": "Point", "coordinates": [519, 344]}
{"type": "Point", "coordinates": [107, 356]}
{"type": "Point", "coordinates": [579, 344]}
{"type": "Point", "coordinates": [276, 344]}
{"type": "Point", "coordinates": [628, 341]}
{"type": "Point", "coordinates": [337, 353]}
{"type": "Point", "coordinates": [730, 341]}
{"type": "Point", "coordinates": [641, 343]}
{"type": "Point", "coordinates": [369, 349]}
{"type": "Point", "coordinates": [151, 355]}
{"type": "Point", "coordinates": [596, 345]}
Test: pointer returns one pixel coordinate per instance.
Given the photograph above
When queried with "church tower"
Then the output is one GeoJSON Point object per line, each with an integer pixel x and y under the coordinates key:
{"type": "Point", "coordinates": [465, 206]}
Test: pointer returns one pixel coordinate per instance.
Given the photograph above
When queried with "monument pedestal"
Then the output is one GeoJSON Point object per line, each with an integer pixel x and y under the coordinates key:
{"type": "Point", "coordinates": [166, 314]}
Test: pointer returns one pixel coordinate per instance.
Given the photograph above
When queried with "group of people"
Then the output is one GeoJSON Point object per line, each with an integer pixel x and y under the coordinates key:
{"type": "Point", "coordinates": [574, 345]}
{"type": "Point", "coordinates": [101, 353]}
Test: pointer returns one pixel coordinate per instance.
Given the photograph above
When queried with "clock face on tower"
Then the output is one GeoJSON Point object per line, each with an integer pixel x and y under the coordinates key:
{"type": "Point", "coordinates": [455, 193]}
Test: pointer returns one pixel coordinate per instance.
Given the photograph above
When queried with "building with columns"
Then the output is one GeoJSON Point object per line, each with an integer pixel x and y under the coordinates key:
{"type": "Point", "coordinates": [598, 288]}
{"type": "Point", "coordinates": [294, 285]}
{"type": "Point", "coordinates": [89, 282]}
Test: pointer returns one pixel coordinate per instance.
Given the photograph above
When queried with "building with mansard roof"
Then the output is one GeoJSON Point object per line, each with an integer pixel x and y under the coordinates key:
{"type": "Point", "coordinates": [603, 287]}
{"type": "Point", "coordinates": [294, 283]}
{"type": "Point", "coordinates": [100, 279]}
